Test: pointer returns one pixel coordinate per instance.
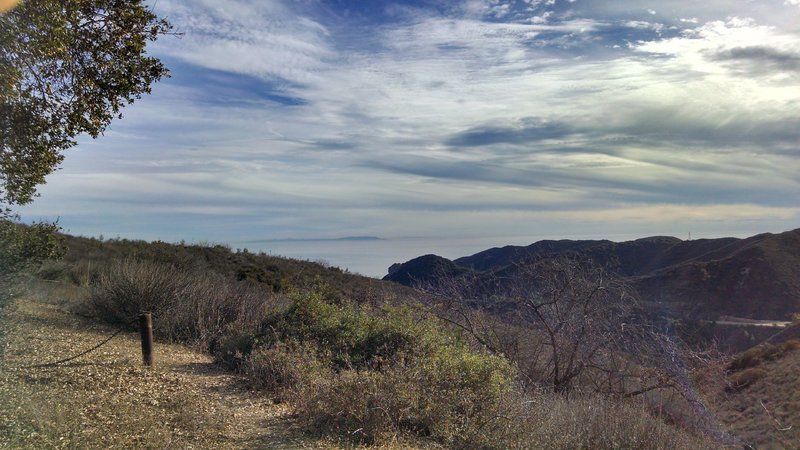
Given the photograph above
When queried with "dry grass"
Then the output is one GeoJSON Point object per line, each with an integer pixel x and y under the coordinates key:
{"type": "Point", "coordinates": [761, 353]}
{"type": "Point", "coordinates": [549, 421]}
{"type": "Point", "coordinates": [759, 401]}
{"type": "Point", "coordinates": [107, 399]}
{"type": "Point", "coordinates": [740, 380]}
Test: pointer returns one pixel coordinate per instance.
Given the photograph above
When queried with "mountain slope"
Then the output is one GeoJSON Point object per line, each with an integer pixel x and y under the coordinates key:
{"type": "Point", "coordinates": [755, 278]}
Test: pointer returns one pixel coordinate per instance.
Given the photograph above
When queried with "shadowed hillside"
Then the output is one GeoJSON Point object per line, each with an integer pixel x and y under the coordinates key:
{"type": "Point", "coordinates": [755, 278]}
{"type": "Point", "coordinates": [756, 396]}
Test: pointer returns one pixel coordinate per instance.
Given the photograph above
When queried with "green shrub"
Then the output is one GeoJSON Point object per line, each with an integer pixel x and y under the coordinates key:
{"type": "Point", "coordinates": [270, 275]}
{"type": "Point", "coordinates": [355, 338]}
{"type": "Point", "coordinates": [454, 395]}
{"type": "Point", "coordinates": [22, 246]}
{"type": "Point", "coordinates": [369, 375]}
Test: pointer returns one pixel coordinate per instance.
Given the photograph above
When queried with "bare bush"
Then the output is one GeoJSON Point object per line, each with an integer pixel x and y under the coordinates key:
{"type": "Point", "coordinates": [130, 287]}
{"type": "Point", "coordinates": [570, 327]}
{"type": "Point", "coordinates": [559, 319]}
{"type": "Point", "coordinates": [194, 307]}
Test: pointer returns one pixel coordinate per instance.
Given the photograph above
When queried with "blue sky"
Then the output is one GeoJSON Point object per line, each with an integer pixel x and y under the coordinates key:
{"type": "Point", "coordinates": [483, 121]}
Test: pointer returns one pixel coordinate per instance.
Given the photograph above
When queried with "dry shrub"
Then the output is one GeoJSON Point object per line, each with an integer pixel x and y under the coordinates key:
{"type": "Point", "coordinates": [130, 287]}
{"type": "Point", "coordinates": [52, 270]}
{"type": "Point", "coordinates": [212, 305]}
{"type": "Point", "coordinates": [354, 404]}
{"type": "Point", "coordinates": [192, 307]}
{"type": "Point", "coordinates": [548, 421]}
{"type": "Point", "coordinates": [791, 345]}
{"type": "Point", "coordinates": [80, 273]}
{"type": "Point", "coordinates": [760, 353]}
{"type": "Point", "coordinates": [282, 369]}
{"type": "Point", "coordinates": [742, 379]}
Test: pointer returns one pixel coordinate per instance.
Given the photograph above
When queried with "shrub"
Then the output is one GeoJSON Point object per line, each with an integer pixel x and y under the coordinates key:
{"type": "Point", "coordinates": [454, 399]}
{"type": "Point", "coordinates": [549, 421]}
{"type": "Point", "coordinates": [369, 375]}
{"type": "Point", "coordinates": [760, 353]}
{"type": "Point", "coordinates": [354, 404]}
{"type": "Point", "coordinates": [281, 369]}
{"type": "Point", "coordinates": [456, 395]}
{"type": "Point", "coordinates": [212, 305]}
{"type": "Point", "coordinates": [234, 345]}
{"type": "Point", "coordinates": [23, 246]}
{"type": "Point", "coordinates": [193, 307]}
{"type": "Point", "coordinates": [130, 287]}
{"type": "Point", "coordinates": [740, 380]}
{"type": "Point", "coordinates": [52, 270]}
{"type": "Point", "coordinates": [354, 337]}
{"type": "Point", "coordinates": [270, 275]}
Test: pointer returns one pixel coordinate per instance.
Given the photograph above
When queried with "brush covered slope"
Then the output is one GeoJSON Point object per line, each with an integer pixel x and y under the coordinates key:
{"type": "Point", "coordinates": [359, 360]}
{"type": "Point", "coordinates": [754, 395]}
{"type": "Point", "coordinates": [755, 278]}
{"type": "Point", "coordinates": [86, 258]}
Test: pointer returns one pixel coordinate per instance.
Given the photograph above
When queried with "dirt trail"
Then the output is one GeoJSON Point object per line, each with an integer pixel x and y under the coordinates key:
{"type": "Point", "coordinates": [107, 399]}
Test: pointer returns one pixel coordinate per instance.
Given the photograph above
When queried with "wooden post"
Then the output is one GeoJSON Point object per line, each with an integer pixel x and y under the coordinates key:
{"type": "Point", "coordinates": [146, 330]}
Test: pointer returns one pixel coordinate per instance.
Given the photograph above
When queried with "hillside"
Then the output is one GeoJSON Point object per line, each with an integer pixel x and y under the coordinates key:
{"type": "Point", "coordinates": [85, 258]}
{"type": "Point", "coordinates": [755, 278]}
{"type": "Point", "coordinates": [755, 395]}
{"type": "Point", "coordinates": [348, 360]}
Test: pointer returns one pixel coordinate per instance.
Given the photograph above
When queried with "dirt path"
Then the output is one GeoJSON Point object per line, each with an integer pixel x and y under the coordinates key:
{"type": "Point", "coordinates": [107, 399]}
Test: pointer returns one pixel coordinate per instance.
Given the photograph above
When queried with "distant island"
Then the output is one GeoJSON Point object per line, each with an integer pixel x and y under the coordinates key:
{"type": "Point", "coordinates": [346, 238]}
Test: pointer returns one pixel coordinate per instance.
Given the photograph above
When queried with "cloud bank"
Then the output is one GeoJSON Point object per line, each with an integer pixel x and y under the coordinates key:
{"type": "Point", "coordinates": [476, 118]}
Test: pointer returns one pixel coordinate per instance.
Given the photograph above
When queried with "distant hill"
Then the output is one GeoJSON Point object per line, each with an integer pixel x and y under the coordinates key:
{"type": "Point", "coordinates": [423, 269]}
{"type": "Point", "coordinates": [757, 277]}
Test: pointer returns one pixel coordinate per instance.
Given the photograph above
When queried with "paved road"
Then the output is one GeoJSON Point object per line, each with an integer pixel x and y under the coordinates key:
{"type": "Point", "coordinates": [754, 324]}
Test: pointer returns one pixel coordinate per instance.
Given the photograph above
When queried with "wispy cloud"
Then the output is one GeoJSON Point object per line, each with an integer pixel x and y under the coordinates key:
{"type": "Point", "coordinates": [306, 119]}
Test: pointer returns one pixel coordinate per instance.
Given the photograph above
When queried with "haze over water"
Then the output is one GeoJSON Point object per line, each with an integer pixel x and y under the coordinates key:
{"type": "Point", "coordinates": [373, 257]}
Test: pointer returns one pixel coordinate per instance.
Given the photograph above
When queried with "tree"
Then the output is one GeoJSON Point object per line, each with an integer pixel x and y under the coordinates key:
{"type": "Point", "coordinates": [564, 322]}
{"type": "Point", "coordinates": [67, 67]}
{"type": "Point", "coordinates": [22, 245]}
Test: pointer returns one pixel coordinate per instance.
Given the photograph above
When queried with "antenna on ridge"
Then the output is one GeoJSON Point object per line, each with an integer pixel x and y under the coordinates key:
{"type": "Point", "coordinates": [690, 236]}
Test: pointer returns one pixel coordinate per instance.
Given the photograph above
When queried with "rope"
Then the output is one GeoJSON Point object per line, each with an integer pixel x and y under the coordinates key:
{"type": "Point", "coordinates": [62, 361]}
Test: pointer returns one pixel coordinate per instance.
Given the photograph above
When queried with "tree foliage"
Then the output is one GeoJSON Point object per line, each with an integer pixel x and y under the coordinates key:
{"type": "Point", "coordinates": [27, 244]}
{"type": "Point", "coordinates": [67, 67]}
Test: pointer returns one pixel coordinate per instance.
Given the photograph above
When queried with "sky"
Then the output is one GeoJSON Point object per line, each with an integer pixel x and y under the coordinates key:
{"type": "Point", "coordinates": [456, 125]}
